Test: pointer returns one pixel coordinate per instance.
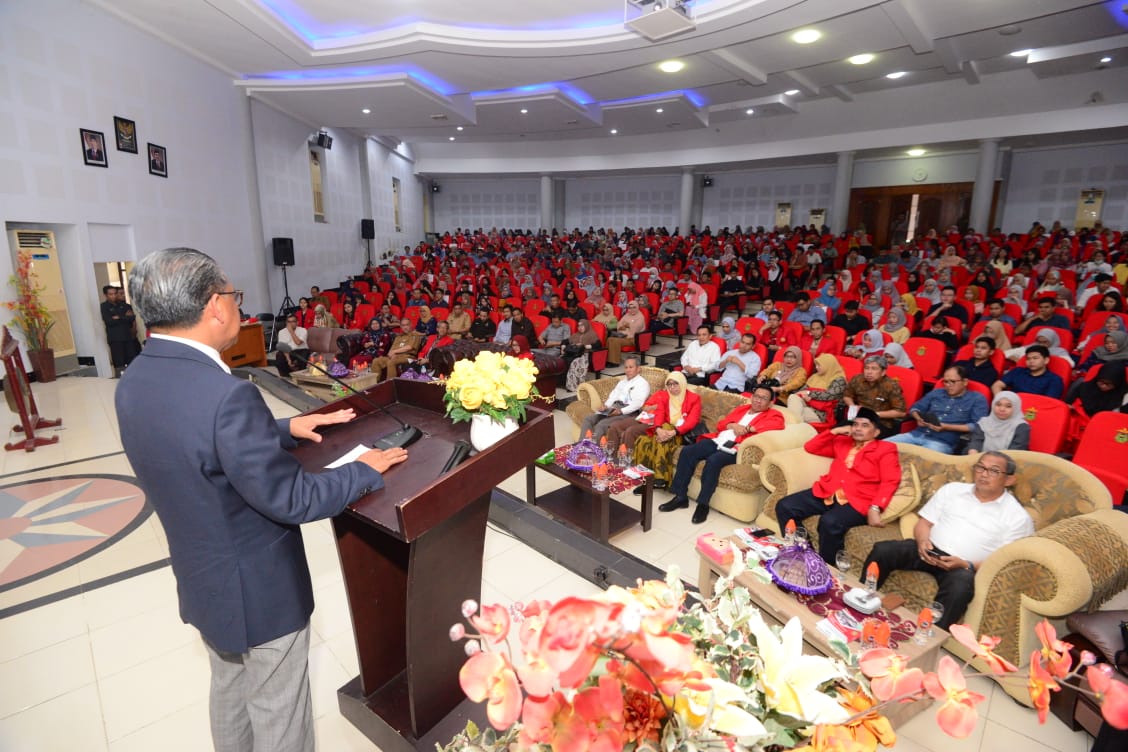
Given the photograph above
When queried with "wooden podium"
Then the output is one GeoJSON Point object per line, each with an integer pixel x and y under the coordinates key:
{"type": "Point", "coordinates": [410, 554]}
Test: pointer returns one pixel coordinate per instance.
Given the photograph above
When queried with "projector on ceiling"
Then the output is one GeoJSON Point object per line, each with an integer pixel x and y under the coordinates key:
{"type": "Point", "coordinates": [658, 19]}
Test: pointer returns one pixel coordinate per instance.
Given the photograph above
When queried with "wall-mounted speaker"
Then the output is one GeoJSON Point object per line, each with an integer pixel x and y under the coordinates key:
{"type": "Point", "coordinates": [436, 188]}
{"type": "Point", "coordinates": [283, 251]}
{"type": "Point", "coordinates": [367, 229]}
{"type": "Point", "coordinates": [707, 182]}
{"type": "Point", "coordinates": [324, 140]}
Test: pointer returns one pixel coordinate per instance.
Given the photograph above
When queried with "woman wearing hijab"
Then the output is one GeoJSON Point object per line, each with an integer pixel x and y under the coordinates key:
{"type": "Point", "coordinates": [1046, 337]}
{"type": "Point", "coordinates": [580, 345]}
{"type": "Point", "coordinates": [819, 397]}
{"type": "Point", "coordinates": [895, 355]}
{"type": "Point", "coordinates": [873, 306]}
{"type": "Point", "coordinates": [519, 347]}
{"type": "Point", "coordinates": [788, 371]}
{"type": "Point", "coordinates": [1016, 295]}
{"type": "Point", "coordinates": [930, 291]}
{"type": "Point", "coordinates": [1114, 350]}
{"type": "Point", "coordinates": [427, 323]}
{"type": "Point", "coordinates": [872, 343]}
{"type": "Point", "coordinates": [671, 414]}
{"type": "Point", "coordinates": [729, 333]}
{"type": "Point", "coordinates": [607, 317]}
{"type": "Point", "coordinates": [1001, 429]}
{"type": "Point", "coordinates": [324, 319]}
{"type": "Point", "coordinates": [996, 331]}
{"type": "Point", "coordinates": [1113, 323]}
{"type": "Point", "coordinates": [1050, 285]}
{"type": "Point", "coordinates": [828, 298]}
{"type": "Point", "coordinates": [896, 325]}
{"type": "Point", "coordinates": [1102, 393]}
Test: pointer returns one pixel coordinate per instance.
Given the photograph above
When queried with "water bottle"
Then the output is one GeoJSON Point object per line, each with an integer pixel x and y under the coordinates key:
{"type": "Point", "coordinates": [624, 456]}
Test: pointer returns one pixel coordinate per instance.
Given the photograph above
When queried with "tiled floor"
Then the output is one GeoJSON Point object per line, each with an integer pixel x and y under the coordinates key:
{"type": "Point", "coordinates": [113, 668]}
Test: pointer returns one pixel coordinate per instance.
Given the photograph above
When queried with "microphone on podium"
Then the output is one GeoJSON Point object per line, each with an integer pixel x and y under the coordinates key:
{"type": "Point", "coordinates": [405, 436]}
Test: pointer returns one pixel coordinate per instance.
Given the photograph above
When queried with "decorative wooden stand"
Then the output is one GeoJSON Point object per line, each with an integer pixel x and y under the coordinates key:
{"type": "Point", "coordinates": [410, 554]}
{"type": "Point", "coordinates": [21, 399]}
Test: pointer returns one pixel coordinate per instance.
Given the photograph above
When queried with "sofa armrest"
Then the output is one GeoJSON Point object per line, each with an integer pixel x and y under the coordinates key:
{"type": "Point", "coordinates": [754, 449]}
{"type": "Point", "coordinates": [595, 393]}
{"type": "Point", "coordinates": [785, 472]}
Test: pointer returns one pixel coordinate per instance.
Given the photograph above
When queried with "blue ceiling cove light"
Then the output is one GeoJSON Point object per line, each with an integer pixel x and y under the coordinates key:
{"type": "Point", "coordinates": [426, 78]}
{"type": "Point", "coordinates": [576, 95]}
{"type": "Point", "coordinates": [1119, 11]}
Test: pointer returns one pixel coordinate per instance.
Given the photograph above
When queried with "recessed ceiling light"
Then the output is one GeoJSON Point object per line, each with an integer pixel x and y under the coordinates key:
{"type": "Point", "coordinates": [366, 111]}
{"type": "Point", "coordinates": [1021, 53]}
{"type": "Point", "coordinates": [524, 111]}
{"type": "Point", "coordinates": [614, 131]}
{"type": "Point", "coordinates": [895, 74]}
{"type": "Point", "coordinates": [1010, 30]}
{"type": "Point", "coordinates": [1106, 59]}
{"type": "Point", "coordinates": [915, 152]}
{"type": "Point", "coordinates": [458, 128]}
{"type": "Point", "coordinates": [670, 66]}
{"type": "Point", "coordinates": [790, 92]}
{"type": "Point", "coordinates": [659, 110]}
{"type": "Point", "coordinates": [749, 111]}
{"type": "Point", "coordinates": [861, 59]}
{"type": "Point", "coordinates": [451, 138]}
{"type": "Point", "coordinates": [806, 36]}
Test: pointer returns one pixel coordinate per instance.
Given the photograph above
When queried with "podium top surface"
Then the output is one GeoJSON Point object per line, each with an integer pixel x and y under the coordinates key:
{"type": "Point", "coordinates": [415, 497]}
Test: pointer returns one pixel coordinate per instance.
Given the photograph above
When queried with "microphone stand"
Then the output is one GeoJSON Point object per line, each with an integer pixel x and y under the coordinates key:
{"type": "Point", "coordinates": [403, 437]}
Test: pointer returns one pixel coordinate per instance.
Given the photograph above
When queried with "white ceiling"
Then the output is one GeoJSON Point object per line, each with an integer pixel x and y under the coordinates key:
{"type": "Point", "coordinates": [426, 67]}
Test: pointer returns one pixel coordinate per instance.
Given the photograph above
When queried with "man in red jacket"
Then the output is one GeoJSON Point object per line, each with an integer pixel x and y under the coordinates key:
{"type": "Point", "coordinates": [719, 450]}
{"type": "Point", "coordinates": [863, 477]}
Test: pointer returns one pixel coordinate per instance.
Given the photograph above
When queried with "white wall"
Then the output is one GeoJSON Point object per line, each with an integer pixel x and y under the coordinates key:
{"type": "Point", "coordinates": [383, 165]}
{"type": "Point", "coordinates": [622, 201]}
{"type": "Point", "coordinates": [513, 203]}
{"type": "Point", "coordinates": [749, 198]}
{"type": "Point", "coordinates": [1045, 185]}
{"type": "Point", "coordinates": [948, 168]}
{"type": "Point", "coordinates": [65, 65]}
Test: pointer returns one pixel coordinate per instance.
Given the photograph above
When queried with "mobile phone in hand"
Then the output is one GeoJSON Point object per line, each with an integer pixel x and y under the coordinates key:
{"type": "Point", "coordinates": [936, 552]}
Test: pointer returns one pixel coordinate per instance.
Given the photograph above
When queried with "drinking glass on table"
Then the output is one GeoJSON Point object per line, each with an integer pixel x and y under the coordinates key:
{"type": "Point", "coordinates": [800, 537]}
{"type": "Point", "coordinates": [842, 561]}
{"type": "Point", "coordinates": [937, 610]}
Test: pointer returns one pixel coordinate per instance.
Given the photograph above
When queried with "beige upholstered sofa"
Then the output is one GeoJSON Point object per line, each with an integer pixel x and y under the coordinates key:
{"type": "Point", "coordinates": [1076, 560]}
{"type": "Point", "coordinates": [739, 493]}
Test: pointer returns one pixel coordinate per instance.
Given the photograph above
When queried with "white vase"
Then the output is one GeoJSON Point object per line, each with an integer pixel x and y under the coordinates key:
{"type": "Point", "coordinates": [485, 431]}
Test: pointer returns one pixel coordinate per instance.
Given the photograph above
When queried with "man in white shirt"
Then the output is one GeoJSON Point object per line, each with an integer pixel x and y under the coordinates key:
{"type": "Point", "coordinates": [625, 399]}
{"type": "Point", "coordinates": [701, 357]}
{"type": "Point", "coordinates": [959, 527]}
{"type": "Point", "coordinates": [295, 338]}
{"type": "Point", "coordinates": [739, 366]}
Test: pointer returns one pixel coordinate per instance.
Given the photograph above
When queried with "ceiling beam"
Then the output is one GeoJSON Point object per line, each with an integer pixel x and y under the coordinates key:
{"type": "Point", "coordinates": [729, 61]}
{"type": "Point", "coordinates": [971, 72]}
{"type": "Point", "coordinates": [910, 26]}
{"type": "Point", "coordinates": [840, 91]}
{"type": "Point", "coordinates": [798, 81]}
{"type": "Point", "coordinates": [948, 56]}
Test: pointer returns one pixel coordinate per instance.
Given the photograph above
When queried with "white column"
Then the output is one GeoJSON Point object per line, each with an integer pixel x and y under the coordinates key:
{"type": "Point", "coordinates": [685, 216]}
{"type": "Point", "coordinates": [546, 204]}
{"type": "Point", "coordinates": [840, 202]}
{"type": "Point", "coordinates": [984, 184]}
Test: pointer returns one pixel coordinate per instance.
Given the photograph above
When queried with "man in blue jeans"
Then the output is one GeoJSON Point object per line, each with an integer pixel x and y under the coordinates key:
{"type": "Point", "coordinates": [718, 450]}
{"type": "Point", "coordinates": [944, 415]}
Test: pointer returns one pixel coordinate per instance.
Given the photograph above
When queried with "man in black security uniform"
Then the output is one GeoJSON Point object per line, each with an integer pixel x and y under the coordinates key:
{"type": "Point", "coordinates": [120, 323]}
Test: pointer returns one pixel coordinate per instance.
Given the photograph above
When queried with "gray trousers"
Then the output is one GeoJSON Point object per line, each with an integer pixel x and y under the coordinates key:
{"type": "Point", "coordinates": [260, 699]}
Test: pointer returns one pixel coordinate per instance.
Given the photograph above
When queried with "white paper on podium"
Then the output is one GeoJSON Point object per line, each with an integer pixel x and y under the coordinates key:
{"type": "Point", "coordinates": [351, 456]}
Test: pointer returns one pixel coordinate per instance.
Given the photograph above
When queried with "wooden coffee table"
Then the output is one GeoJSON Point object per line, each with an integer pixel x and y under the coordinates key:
{"type": "Point", "coordinates": [321, 386]}
{"type": "Point", "coordinates": [592, 512]}
{"type": "Point", "coordinates": [779, 606]}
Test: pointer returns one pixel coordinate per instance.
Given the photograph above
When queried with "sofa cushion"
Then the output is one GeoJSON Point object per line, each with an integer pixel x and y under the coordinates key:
{"type": "Point", "coordinates": [906, 497]}
{"type": "Point", "coordinates": [1049, 495]}
{"type": "Point", "coordinates": [935, 477]}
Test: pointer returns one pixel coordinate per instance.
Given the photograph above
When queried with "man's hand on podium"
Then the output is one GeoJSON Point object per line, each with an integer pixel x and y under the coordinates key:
{"type": "Point", "coordinates": [305, 426]}
{"type": "Point", "coordinates": [382, 459]}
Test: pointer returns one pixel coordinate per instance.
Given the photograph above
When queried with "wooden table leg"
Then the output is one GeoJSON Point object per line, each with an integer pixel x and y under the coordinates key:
{"type": "Point", "coordinates": [706, 577]}
{"type": "Point", "coordinates": [531, 485]}
{"type": "Point", "coordinates": [648, 503]}
{"type": "Point", "coordinates": [601, 516]}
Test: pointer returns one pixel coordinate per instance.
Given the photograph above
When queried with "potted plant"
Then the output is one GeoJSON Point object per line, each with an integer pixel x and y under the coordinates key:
{"type": "Point", "coordinates": [491, 391]}
{"type": "Point", "coordinates": [31, 318]}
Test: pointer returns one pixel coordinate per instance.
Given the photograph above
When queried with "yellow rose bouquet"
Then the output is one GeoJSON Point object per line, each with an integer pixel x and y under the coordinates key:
{"type": "Point", "coordinates": [493, 384]}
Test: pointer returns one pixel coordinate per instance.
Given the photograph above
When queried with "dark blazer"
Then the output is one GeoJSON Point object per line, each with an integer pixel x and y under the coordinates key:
{"type": "Point", "coordinates": [213, 463]}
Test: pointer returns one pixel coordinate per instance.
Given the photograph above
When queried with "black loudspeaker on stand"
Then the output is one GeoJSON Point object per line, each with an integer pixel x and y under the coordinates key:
{"type": "Point", "coordinates": [283, 257]}
{"type": "Point", "coordinates": [368, 234]}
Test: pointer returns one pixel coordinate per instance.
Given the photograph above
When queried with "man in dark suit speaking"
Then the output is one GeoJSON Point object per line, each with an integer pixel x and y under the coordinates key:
{"type": "Point", "coordinates": [213, 463]}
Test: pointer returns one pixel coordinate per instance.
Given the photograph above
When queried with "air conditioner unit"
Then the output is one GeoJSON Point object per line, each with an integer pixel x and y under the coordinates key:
{"type": "Point", "coordinates": [657, 19]}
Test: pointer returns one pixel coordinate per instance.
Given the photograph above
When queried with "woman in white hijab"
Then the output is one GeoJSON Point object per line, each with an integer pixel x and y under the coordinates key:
{"type": "Point", "coordinates": [895, 355]}
{"type": "Point", "coordinates": [1002, 429]}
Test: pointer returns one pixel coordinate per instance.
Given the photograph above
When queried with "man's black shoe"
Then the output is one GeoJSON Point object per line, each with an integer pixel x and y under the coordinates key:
{"type": "Point", "coordinates": [700, 514]}
{"type": "Point", "coordinates": [661, 484]}
{"type": "Point", "coordinates": [675, 503]}
{"type": "Point", "coordinates": [638, 490]}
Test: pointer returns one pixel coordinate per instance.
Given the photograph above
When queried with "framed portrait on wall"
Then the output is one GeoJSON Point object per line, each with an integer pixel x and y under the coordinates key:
{"type": "Point", "coordinates": [158, 162]}
{"type": "Point", "coordinates": [125, 132]}
{"type": "Point", "coordinates": [93, 148]}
